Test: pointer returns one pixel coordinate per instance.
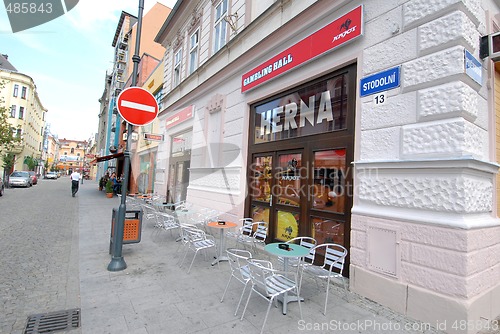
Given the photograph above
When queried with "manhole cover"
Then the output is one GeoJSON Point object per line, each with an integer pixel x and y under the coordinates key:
{"type": "Point", "coordinates": [53, 321]}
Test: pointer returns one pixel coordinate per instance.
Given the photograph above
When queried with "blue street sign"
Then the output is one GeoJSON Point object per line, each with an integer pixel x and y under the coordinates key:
{"type": "Point", "coordinates": [380, 82]}
{"type": "Point", "coordinates": [473, 67]}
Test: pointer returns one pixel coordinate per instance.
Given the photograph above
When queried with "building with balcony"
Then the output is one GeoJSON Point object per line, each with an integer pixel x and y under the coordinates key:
{"type": "Point", "coordinates": [120, 78]}
{"type": "Point", "coordinates": [26, 114]}
{"type": "Point", "coordinates": [364, 123]}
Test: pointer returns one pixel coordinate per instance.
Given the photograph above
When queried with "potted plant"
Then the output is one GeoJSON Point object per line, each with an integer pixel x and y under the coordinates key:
{"type": "Point", "coordinates": [109, 189]}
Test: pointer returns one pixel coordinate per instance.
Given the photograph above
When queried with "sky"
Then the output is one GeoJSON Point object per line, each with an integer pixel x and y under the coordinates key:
{"type": "Point", "coordinates": [68, 58]}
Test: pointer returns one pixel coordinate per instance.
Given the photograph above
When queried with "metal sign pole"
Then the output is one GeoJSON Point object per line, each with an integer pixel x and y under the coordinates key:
{"type": "Point", "coordinates": [117, 262]}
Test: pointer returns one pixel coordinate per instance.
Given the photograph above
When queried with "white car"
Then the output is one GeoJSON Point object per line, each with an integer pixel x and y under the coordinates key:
{"type": "Point", "coordinates": [51, 175]}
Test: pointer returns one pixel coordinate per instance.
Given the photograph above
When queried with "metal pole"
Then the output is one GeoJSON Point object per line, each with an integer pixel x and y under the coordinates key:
{"type": "Point", "coordinates": [117, 262]}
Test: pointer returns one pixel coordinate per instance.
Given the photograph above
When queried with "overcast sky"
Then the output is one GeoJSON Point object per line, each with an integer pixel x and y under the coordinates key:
{"type": "Point", "coordinates": [68, 58]}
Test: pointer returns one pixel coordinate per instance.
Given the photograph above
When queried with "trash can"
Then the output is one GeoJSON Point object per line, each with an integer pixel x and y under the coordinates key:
{"type": "Point", "coordinates": [132, 227]}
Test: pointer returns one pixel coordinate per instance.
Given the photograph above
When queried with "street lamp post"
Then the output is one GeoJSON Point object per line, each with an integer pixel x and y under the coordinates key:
{"type": "Point", "coordinates": [117, 262]}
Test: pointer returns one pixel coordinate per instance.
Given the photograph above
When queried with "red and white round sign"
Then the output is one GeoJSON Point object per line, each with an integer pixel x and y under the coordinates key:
{"type": "Point", "coordinates": [137, 106]}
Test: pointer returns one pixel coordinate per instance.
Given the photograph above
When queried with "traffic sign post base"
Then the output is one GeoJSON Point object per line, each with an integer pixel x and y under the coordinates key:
{"type": "Point", "coordinates": [117, 264]}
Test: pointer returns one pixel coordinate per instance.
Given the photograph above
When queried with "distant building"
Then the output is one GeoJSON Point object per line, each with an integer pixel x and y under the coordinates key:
{"type": "Point", "coordinates": [26, 114]}
{"type": "Point", "coordinates": [71, 155]}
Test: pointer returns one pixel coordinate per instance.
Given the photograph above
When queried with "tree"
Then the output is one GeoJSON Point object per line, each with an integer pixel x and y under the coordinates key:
{"type": "Point", "coordinates": [30, 162]}
{"type": "Point", "coordinates": [7, 138]}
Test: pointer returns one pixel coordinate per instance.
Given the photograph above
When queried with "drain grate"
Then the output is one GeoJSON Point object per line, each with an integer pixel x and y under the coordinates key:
{"type": "Point", "coordinates": [53, 322]}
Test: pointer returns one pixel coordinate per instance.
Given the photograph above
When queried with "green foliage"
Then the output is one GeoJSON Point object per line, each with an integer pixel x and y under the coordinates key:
{"type": "Point", "coordinates": [109, 186]}
{"type": "Point", "coordinates": [7, 139]}
{"type": "Point", "coordinates": [30, 162]}
{"type": "Point", "coordinates": [8, 161]}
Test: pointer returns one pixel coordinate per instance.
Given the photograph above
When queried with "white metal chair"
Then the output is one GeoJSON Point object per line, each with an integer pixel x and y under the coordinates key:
{"type": "Point", "coordinates": [260, 234]}
{"type": "Point", "coordinates": [332, 265]}
{"type": "Point", "coordinates": [244, 234]}
{"type": "Point", "coordinates": [270, 283]}
{"type": "Point", "coordinates": [239, 270]}
{"type": "Point", "coordinates": [198, 240]}
{"type": "Point", "coordinates": [167, 222]}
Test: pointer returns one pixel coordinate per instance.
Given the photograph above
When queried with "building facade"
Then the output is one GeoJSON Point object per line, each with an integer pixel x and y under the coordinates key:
{"type": "Point", "coordinates": [366, 123]}
{"type": "Point", "coordinates": [26, 114]}
{"type": "Point", "coordinates": [71, 155]}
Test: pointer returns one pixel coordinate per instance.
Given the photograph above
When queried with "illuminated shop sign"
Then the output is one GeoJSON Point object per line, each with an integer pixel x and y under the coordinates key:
{"type": "Point", "coordinates": [339, 32]}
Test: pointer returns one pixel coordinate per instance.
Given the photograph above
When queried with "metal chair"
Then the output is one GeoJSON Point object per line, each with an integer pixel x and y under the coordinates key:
{"type": "Point", "coordinates": [269, 284]}
{"type": "Point", "coordinates": [167, 222]}
{"type": "Point", "coordinates": [332, 267]}
{"type": "Point", "coordinates": [260, 234]}
{"type": "Point", "coordinates": [239, 270]}
{"type": "Point", "coordinates": [198, 240]}
{"type": "Point", "coordinates": [244, 233]}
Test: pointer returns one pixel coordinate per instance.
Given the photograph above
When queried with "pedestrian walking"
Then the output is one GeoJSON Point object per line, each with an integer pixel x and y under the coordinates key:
{"type": "Point", "coordinates": [75, 177]}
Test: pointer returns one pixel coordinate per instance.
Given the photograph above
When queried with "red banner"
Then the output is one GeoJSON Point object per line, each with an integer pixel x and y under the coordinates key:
{"type": "Point", "coordinates": [342, 30]}
{"type": "Point", "coordinates": [179, 117]}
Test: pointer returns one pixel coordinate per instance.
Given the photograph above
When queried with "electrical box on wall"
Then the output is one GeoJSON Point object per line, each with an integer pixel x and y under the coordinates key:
{"type": "Point", "coordinates": [490, 47]}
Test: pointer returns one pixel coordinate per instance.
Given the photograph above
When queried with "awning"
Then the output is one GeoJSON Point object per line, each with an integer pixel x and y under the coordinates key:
{"type": "Point", "coordinates": [107, 157]}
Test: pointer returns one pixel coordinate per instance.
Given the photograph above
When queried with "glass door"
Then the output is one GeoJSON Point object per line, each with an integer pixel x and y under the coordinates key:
{"type": "Point", "coordinates": [276, 192]}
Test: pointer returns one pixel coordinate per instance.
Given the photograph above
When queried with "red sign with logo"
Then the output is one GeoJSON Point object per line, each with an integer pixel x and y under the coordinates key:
{"type": "Point", "coordinates": [179, 117]}
{"type": "Point", "coordinates": [342, 30]}
{"type": "Point", "coordinates": [137, 106]}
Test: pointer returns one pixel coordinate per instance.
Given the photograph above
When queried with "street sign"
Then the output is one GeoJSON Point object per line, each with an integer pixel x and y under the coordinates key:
{"type": "Point", "coordinates": [380, 82]}
{"type": "Point", "coordinates": [137, 106]}
{"type": "Point", "coordinates": [473, 67]}
{"type": "Point", "coordinates": [153, 137]}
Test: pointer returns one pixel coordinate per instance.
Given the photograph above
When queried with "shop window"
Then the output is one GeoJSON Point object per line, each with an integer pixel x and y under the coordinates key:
{"type": "Point", "coordinates": [24, 91]}
{"type": "Point", "coordinates": [177, 67]}
{"type": "Point", "coordinates": [289, 179]}
{"type": "Point", "coordinates": [16, 91]}
{"type": "Point", "coordinates": [329, 180]}
{"type": "Point", "coordinates": [327, 231]}
{"type": "Point", "coordinates": [261, 179]}
{"type": "Point", "coordinates": [193, 51]}
{"type": "Point", "coordinates": [21, 112]}
{"type": "Point", "coordinates": [13, 111]}
{"type": "Point", "coordinates": [220, 25]}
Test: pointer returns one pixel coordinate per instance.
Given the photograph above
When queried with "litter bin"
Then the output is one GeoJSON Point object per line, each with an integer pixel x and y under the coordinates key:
{"type": "Point", "coordinates": [132, 227]}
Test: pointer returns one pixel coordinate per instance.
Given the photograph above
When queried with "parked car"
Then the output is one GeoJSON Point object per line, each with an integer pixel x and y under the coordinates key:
{"type": "Point", "coordinates": [1, 187]}
{"type": "Point", "coordinates": [51, 175]}
{"type": "Point", "coordinates": [20, 179]}
{"type": "Point", "coordinates": [34, 178]}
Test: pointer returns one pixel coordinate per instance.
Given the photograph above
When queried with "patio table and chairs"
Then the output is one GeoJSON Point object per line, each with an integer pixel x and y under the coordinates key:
{"type": "Point", "coordinates": [222, 226]}
{"type": "Point", "coordinates": [197, 240]}
{"type": "Point", "coordinates": [286, 252]}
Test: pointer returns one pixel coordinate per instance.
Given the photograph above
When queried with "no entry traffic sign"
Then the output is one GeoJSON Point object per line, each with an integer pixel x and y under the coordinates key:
{"type": "Point", "coordinates": [137, 106]}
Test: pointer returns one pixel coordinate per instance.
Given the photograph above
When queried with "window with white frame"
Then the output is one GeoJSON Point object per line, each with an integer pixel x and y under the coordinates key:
{"type": "Point", "coordinates": [220, 25]}
{"type": "Point", "coordinates": [21, 112]}
{"type": "Point", "coordinates": [24, 91]}
{"type": "Point", "coordinates": [16, 90]}
{"type": "Point", "coordinates": [193, 51]}
{"type": "Point", "coordinates": [177, 67]}
{"type": "Point", "coordinates": [13, 110]}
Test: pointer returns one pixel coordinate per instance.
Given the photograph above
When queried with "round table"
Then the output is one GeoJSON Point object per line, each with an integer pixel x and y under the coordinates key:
{"type": "Point", "coordinates": [293, 251]}
{"type": "Point", "coordinates": [221, 256]}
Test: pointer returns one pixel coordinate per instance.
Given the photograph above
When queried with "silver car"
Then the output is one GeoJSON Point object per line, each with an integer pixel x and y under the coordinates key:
{"type": "Point", "coordinates": [20, 179]}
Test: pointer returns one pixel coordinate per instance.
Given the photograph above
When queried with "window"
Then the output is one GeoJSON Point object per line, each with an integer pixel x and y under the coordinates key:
{"type": "Point", "coordinates": [158, 97]}
{"type": "Point", "coordinates": [19, 132]}
{"type": "Point", "coordinates": [177, 67]}
{"type": "Point", "coordinates": [13, 110]}
{"type": "Point", "coordinates": [21, 112]}
{"type": "Point", "coordinates": [16, 90]}
{"type": "Point", "coordinates": [220, 26]}
{"type": "Point", "coordinates": [23, 93]}
{"type": "Point", "coordinates": [193, 52]}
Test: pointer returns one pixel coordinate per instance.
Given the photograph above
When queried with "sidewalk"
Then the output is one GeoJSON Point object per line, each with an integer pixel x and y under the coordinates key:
{"type": "Point", "coordinates": [154, 295]}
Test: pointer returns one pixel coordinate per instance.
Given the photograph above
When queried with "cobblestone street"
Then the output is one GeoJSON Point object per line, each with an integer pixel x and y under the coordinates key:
{"type": "Point", "coordinates": [39, 252]}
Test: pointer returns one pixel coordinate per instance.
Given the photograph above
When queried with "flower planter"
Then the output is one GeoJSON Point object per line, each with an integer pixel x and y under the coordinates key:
{"type": "Point", "coordinates": [109, 195]}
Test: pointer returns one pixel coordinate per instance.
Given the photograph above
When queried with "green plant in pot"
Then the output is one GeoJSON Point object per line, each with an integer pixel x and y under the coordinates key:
{"type": "Point", "coordinates": [109, 188]}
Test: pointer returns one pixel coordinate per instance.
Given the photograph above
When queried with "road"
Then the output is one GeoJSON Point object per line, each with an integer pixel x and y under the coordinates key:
{"type": "Point", "coordinates": [38, 252]}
